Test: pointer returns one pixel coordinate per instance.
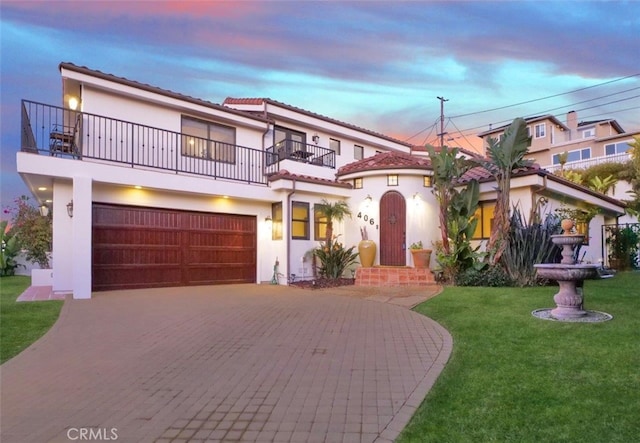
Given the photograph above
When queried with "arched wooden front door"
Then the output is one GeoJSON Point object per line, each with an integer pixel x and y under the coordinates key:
{"type": "Point", "coordinates": [393, 229]}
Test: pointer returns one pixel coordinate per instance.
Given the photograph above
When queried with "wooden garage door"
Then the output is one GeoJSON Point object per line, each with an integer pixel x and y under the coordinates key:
{"type": "Point", "coordinates": [144, 248]}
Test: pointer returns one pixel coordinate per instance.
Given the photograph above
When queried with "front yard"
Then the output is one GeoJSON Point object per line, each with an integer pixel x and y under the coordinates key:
{"type": "Point", "coordinates": [22, 323]}
{"type": "Point", "coordinates": [516, 378]}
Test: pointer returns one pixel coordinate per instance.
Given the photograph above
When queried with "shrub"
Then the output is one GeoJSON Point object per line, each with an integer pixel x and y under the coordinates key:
{"type": "Point", "coordinates": [32, 230]}
{"type": "Point", "coordinates": [334, 258]}
{"type": "Point", "coordinates": [9, 251]}
{"type": "Point", "coordinates": [530, 243]}
{"type": "Point", "coordinates": [491, 276]}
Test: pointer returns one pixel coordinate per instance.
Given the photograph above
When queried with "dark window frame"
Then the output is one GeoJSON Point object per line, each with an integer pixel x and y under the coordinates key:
{"type": "Point", "coordinates": [305, 221]}
{"type": "Point", "coordinates": [212, 149]}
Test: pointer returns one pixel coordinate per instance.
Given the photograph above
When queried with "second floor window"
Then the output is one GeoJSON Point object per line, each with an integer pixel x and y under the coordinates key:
{"type": "Point", "coordinates": [288, 140]}
{"type": "Point", "coordinates": [574, 156]}
{"type": "Point", "coordinates": [208, 140]}
{"type": "Point", "coordinates": [358, 152]}
{"type": "Point", "coordinates": [616, 148]}
{"type": "Point", "coordinates": [334, 145]}
{"type": "Point", "coordinates": [540, 130]}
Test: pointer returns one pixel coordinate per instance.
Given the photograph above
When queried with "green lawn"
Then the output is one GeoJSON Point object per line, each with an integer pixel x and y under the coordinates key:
{"type": "Point", "coordinates": [22, 323]}
{"type": "Point", "coordinates": [516, 378]}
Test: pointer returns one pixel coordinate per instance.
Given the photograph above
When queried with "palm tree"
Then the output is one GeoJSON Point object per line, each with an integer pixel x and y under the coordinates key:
{"type": "Point", "coordinates": [333, 211]}
{"type": "Point", "coordinates": [505, 156]}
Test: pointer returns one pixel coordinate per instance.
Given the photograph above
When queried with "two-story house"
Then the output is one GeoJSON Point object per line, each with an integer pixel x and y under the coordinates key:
{"type": "Point", "coordinates": [586, 143]}
{"type": "Point", "coordinates": [149, 187]}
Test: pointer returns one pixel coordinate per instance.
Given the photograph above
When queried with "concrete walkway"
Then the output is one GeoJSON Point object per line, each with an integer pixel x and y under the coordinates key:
{"type": "Point", "coordinates": [225, 363]}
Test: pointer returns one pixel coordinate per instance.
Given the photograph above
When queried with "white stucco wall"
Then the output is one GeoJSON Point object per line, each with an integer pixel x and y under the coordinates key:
{"type": "Point", "coordinates": [421, 212]}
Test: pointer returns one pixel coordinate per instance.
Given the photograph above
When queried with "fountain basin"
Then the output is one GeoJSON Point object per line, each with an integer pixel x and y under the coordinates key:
{"type": "Point", "coordinates": [564, 272]}
{"type": "Point", "coordinates": [567, 239]}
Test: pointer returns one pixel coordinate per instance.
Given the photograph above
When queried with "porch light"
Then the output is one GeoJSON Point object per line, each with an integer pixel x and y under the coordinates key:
{"type": "Point", "coordinates": [316, 138]}
{"type": "Point", "coordinates": [73, 103]}
{"type": "Point", "coordinates": [44, 210]}
{"type": "Point", "coordinates": [267, 219]}
{"type": "Point", "coordinates": [368, 200]}
{"type": "Point", "coordinates": [70, 209]}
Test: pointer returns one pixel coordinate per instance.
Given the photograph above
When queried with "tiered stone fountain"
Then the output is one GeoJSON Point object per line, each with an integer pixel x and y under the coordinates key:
{"type": "Point", "coordinates": [569, 275]}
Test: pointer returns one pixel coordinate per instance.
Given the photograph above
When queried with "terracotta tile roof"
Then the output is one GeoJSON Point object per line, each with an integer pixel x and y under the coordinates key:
{"type": "Point", "coordinates": [480, 174]}
{"type": "Point", "coordinates": [154, 89]}
{"type": "Point", "coordinates": [243, 101]}
{"type": "Point", "coordinates": [259, 101]}
{"type": "Point", "coordinates": [386, 160]}
{"type": "Point", "coordinates": [283, 174]}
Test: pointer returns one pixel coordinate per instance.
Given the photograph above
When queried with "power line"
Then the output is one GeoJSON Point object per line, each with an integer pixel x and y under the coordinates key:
{"type": "Point", "coordinates": [546, 98]}
{"type": "Point", "coordinates": [503, 122]}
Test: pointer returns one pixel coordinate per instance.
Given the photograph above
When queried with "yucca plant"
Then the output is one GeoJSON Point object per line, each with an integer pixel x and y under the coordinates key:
{"type": "Point", "coordinates": [530, 243]}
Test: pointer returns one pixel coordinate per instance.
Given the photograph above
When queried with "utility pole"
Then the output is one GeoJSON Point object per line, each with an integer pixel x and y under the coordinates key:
{"type": "Point", "coordinates": [442, 100]}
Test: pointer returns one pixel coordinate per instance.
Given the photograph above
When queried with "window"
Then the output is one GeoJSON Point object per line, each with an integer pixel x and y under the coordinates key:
{"type": "Point", "coordinates": [319, 223]}
{"type": "Point", "coordinates": [276, 221]}
{"type": "Point", "coordinates": [392, 180]}
{"type": "Point", "coordinates": [208, 140]}
{"type": "Point", "coordinates": [484, 215]}
{"type": "Point", "coordinates": [582, 227]}
{"type": "Point", "coordinates": [358, 152]}
{"type": "Point", "coordinates": [300, 220]}
{"type": "Point", "coordinates": [588, 133]}
{"type": "Point", "coordinates": [427, 181]}
{"type": "Point", "coordinates": [616, 148]}
{"type": "Point", "coordinates": [357, 183]}
{"type": "Point", "coordinates": [540, 130]}
{"type": "Point", "coordinates": [334, 145]}
{"type": "Point", "coordinates": [287, 141]}
{"type": "Point", "coordinates": [574, 156]}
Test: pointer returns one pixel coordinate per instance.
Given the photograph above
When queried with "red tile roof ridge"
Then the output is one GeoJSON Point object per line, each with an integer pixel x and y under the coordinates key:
{"type": "Point", "coordinates": [286, 175]}
{"type": "Point", "coordinates": [386, 160]}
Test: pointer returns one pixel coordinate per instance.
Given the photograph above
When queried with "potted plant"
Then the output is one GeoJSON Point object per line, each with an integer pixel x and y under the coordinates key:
{"type": "Point", "coordinates": [366, 249]}
{"type": "Point", "coordinates": [421, 257]}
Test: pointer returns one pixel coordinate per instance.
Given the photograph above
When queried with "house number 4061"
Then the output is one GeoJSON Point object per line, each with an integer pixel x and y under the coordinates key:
{"type": "Point", "coordinates": [366, 218]}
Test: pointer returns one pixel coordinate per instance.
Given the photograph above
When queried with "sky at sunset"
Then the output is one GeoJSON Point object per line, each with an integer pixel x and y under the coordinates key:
{"type": "Point", "coordinates": [378, 65]}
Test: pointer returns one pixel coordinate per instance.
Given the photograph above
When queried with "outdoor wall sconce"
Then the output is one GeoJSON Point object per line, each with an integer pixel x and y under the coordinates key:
{"type": "Point", "coordinates": [73, 103]}
{"type": "Point", "coordinates": [267, 219]}
{"type": "Point", "coordinates": [368, 200]}
{"type": "Point", "coordinates": [44, 210]}
{"type": "Point", "coordinates": [316, 138]}
{"type": "Point", "coordinates": [70, 209]}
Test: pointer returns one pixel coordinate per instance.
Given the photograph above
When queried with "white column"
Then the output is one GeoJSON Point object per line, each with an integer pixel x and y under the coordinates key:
{"type": "Point", "coordinates": [82, 221]}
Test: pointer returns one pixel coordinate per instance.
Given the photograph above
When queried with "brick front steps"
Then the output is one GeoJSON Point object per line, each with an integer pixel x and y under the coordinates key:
{"type": "Point", "coordinates": [394, 276]}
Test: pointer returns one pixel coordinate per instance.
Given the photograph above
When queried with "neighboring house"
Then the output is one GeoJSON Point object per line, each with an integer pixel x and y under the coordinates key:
{"type": "Point", "coordinates": [152, 188]}
{"type": "Point", "coordinates": [587, 143]}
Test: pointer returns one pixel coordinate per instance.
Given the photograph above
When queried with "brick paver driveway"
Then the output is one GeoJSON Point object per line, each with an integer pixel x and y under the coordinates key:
{"type": "Point", "coordinates": [223, 363]}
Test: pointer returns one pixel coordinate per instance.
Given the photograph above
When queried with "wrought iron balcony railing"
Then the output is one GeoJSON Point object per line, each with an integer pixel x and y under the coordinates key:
{"type": "Point", "coordinates": [63, 132]}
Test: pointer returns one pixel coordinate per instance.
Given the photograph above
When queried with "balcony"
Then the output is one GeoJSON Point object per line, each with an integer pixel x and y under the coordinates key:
{"type": "Point", "coordinates": [60, 132]}
{"type": "Point", "coordinates": [622, 157]}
